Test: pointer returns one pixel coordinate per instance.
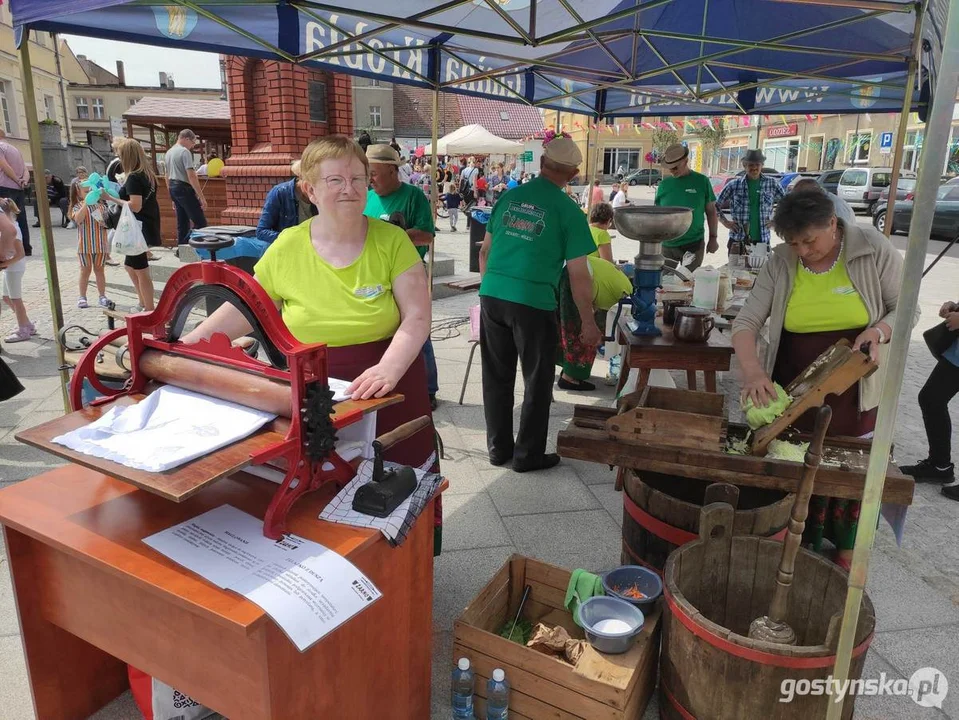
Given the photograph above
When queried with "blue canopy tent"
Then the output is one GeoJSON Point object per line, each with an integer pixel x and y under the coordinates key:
{"type": "Point", "coordinates": [603, 58]}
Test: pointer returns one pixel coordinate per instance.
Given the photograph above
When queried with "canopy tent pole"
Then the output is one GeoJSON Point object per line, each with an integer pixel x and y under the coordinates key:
{"type": "Point", "coordinates": [434, 186]}
{"type": "Point", "coordinates": [43, 208]}
{"type": "Point", "coordinates": [588, 177]}
{"type": "Point", "coordinates": [904, 116]}
{"type": "Point", "coordinates": [934, 148]}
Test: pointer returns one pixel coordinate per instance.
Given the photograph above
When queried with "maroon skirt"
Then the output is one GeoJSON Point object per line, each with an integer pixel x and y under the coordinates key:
{"type": "Point", "coordinates": [347, 363]}
{"type": "Point", "coordinates": [797, 351]}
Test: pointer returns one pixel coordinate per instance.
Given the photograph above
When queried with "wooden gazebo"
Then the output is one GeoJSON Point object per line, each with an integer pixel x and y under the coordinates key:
{"type": "Point", "coordinates": [166, 117]}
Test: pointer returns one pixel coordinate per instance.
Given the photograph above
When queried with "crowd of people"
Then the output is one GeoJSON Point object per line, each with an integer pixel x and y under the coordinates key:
{"type": "Point", "coordinates": [357, 221]}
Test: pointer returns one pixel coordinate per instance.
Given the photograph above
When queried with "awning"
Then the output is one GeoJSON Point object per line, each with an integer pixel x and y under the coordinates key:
{"type": "Point", "coordinates": [615, 58]}
{"type": "Point", "coordinates": [475, 139]}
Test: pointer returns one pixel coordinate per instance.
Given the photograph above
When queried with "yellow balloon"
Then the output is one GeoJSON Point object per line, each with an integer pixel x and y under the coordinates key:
{"type": "Point", "coordinates": [214, 167]}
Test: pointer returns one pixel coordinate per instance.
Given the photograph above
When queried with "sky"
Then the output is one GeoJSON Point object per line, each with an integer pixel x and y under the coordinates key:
{"type": "Point", "coordinates": [143, 63]}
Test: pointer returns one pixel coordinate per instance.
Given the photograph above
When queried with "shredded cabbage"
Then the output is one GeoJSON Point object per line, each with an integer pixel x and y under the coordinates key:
{"type": "Point", "coordinates": [785, 450]}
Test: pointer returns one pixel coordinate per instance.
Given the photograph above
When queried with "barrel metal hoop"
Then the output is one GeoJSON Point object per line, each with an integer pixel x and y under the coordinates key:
{"type": "Point", "coordinates": [757, 656]}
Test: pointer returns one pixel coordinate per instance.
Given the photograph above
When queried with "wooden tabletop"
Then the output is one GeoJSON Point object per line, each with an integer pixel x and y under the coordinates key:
{"type": "Point", "coordinates": [186, 480]}
{"type": "Point", "coordinates": [102, 520]}
{"type": "Point", "coordinates": [717, 343]}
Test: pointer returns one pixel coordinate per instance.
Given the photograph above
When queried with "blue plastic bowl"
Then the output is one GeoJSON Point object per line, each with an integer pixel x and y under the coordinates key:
{"type": "Point", "coordinates": [648, 582]}
{"type": "Point", "coordinates": [599, 608]}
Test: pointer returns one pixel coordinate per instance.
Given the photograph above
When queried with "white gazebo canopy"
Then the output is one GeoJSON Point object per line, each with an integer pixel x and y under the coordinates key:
{"type": "Point", "coordinates": [475, 139]}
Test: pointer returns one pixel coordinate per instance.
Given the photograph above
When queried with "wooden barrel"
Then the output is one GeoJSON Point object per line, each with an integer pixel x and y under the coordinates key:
{"type": "Point", "coordinates": [714, 588]}
{"type": "Point", "coordinates": [661, 512]}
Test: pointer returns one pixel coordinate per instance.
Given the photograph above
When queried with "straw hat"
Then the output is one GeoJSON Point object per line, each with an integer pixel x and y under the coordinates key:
{"type": "Point", "coordinates": [383, 154]}
{"type": "Point", "coordinates": [674, 155]}
{"type": "Point", "coordinates": [563, 150]}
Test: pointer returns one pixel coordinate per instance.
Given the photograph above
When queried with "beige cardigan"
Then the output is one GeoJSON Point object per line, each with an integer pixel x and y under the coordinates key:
{"type": "Point", "coordinates": [875, 269]}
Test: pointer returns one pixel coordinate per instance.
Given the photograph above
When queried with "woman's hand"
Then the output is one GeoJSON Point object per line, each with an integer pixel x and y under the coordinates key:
{"type": "Point", "coordinates": [376, 381]}
{"type": "Point", "coordinates": [758, 388]}
{"type": "Point", "coordinates": [952, 320]}
{"type": "Point", "coordinates": [949, 307]}
{"type": "Point", "coordinates": [871, 336]}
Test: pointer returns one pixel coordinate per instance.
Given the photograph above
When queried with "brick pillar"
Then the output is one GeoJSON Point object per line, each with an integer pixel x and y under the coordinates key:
{"type": "Point", "coordinates": [270, 118]}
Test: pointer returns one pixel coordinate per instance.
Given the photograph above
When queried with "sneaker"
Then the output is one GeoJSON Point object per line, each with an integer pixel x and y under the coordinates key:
{"type": "Point", "coordinates": [926, 471]}
{"type": "Point", "coordinates": [21, 334]}
{"type": "Point", "coordinates": [71, 225]}
{"type": "Point", "coordinates": [106, 302]}
{"type": "Point", "coordinates": [951, 491]}
{"type": "Point", "coordinates": [82, 302]}
{"type": "Point", "coordinates": [136, 309]}
{"type": "Point", "coordinates": [544, 462]}
{"type": "Point", "coordinates": [33, 328]}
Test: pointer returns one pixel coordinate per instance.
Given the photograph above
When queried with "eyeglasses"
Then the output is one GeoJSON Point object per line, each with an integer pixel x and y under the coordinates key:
{"type": "Point", "coordinates": [338, 182]}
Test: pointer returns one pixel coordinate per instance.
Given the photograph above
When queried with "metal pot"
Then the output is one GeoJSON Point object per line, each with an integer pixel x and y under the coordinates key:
{"type": "Point", "coordinates": [692, 324]}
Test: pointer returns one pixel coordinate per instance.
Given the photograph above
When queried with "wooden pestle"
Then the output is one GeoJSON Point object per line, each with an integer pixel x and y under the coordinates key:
{"type": "Point", "coordinates": [773, 626]}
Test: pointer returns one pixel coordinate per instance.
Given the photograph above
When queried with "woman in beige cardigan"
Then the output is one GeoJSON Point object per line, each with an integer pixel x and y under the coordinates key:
{"type": "Point", "coordinates": [827, 282]}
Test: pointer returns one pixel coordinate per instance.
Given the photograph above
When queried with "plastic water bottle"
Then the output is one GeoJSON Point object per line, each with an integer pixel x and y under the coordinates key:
{"type": "Point", "coordinates": [463, 690]}
{"type": "Point", "coordinates": [497, 696]}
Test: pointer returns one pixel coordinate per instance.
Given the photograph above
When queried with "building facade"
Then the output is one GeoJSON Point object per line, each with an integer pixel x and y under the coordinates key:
{"type": "Point", "coordinates": [53, 68]}
{"type": "Point", "coordinates": [373, 108]}
{"type": "Point", "coordinates": [96, 105]}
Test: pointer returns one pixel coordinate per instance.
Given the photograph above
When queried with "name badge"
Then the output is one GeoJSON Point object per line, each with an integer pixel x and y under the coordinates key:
{"type": "Point", "coordinates": [369, 292]}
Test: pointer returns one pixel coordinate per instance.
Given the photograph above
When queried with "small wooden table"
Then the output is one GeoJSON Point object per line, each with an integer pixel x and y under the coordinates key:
{"type": "Point", "coordinates": [92, 597]}
{"type": "Point", "coordinates": [647, 353]}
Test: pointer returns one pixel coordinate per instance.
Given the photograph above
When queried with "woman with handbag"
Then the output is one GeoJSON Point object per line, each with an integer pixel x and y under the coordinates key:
{"type": "Point", "coordinates": [139, 193]}
{"type": "Point", "coordinates": [941, 386]}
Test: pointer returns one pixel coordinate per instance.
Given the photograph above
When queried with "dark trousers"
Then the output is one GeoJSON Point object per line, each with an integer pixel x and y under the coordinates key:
{"type": "Point", "coordinates": [941, 387]}
{"type": "Point", "coordinates": [20, 198]}
{"type": "Point", "coordinates": [188, 210]}
{"type": "Point", "coordinates": [510, 331]}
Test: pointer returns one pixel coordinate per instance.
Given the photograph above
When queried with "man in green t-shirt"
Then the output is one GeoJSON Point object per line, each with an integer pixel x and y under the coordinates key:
{"type": "Point", "coordinates": [388, 195]}
{"type": "Point", "coordinates": [684, 187]}
{"type": "Point", "coordinates": [532, 231]}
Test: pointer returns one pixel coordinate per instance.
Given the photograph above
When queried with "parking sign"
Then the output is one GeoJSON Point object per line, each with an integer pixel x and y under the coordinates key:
{"type": "Point", "coordinates": [885, 143]}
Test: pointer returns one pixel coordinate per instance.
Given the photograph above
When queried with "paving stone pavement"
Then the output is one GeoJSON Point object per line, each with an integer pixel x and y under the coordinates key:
{"type": "Point", "coordinates": [571, 516]}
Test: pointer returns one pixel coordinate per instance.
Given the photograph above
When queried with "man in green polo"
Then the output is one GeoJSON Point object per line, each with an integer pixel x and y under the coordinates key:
{"type": "Point", "coordinates": [684, 187]}
{"type": "Point", "coordinates": [532, 231]}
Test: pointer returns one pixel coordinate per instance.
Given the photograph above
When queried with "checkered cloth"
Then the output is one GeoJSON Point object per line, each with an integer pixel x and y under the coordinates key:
{"type": "Point", "coordinates": [397, 526]}
{"type": "Point", "coordinates": [736, 193]}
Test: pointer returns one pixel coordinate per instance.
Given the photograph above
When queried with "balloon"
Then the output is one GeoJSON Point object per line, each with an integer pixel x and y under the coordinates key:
{"type": "Point", "coordinates": [214, 167]}
{"type": "Point", "coordinates": [99, 184]}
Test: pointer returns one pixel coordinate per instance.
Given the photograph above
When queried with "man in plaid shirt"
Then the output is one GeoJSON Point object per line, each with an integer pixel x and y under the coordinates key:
{"type": "Point", "coordinates": [750, 199]}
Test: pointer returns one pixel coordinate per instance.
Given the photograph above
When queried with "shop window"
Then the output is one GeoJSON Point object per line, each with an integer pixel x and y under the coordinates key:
{"type": "Point", "coordinates": [858, 147]}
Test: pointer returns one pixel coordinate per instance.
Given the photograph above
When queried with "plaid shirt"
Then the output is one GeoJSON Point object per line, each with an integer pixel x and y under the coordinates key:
{"type": "Point", "coordinates": [736, 195]}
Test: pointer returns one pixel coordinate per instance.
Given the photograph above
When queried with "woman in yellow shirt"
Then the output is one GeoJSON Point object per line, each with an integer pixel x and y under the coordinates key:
{"type": "Point", "coordinates": [829, 281]}
{"type": "Point", "coordinates": [353, 283]}
{"type": "Point", "coordinates": [600, 220]}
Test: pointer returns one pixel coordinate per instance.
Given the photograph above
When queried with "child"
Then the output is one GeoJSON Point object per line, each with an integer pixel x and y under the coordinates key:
{"type": "Point", "coordinates": [453, 202]}
{"type": "Point", "coordinates": [13, 280]}
{"type": "Point", "coordinates": [93, 246]}
{"type": "Point", "coordinates": [600, 220]}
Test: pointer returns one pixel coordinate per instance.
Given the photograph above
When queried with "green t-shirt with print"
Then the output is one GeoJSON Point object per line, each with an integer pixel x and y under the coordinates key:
{"type": "Point", "coordinates": [407, 199]}
{"type": "Point", "coordinates": [535, 228]}
{"type": "Point", "coordinates": [693, 191]}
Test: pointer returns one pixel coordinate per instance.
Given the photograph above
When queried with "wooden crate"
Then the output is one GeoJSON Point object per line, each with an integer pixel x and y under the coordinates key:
{"type": "Point", "coordinates": [671, 416]}
{"type": "Point", "coordinates": [599, 687]}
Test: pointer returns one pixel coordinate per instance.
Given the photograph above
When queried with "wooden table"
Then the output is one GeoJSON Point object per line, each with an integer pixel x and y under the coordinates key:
{"type": "Point", "coordinates": [647, 353]}
{"type": "Point", "coordinates": [92, 597]}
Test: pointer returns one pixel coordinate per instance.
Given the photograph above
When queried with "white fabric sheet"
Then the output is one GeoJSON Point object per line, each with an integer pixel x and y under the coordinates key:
{"type": "Point", "coordinates": [166, 429]}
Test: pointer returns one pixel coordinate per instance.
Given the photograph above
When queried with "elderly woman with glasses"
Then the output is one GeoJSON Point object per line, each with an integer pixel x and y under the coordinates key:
{"type": "Point", "coordinates": [829, 281]}
{"type": "Point", "coordinates": [354, 283]}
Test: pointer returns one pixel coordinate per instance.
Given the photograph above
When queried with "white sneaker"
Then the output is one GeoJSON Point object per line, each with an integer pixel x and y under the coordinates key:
{"type": "Point", "coordinates": [106, 302]}
{"type": "Point", "coordinates": [82, 302]}
{"type": "Point", "coordinates": [137, 308]}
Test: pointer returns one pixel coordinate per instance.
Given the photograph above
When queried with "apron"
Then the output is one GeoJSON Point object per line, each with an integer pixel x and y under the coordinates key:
{"type": "Point", "coordinates": [347, 363]}
{"type": "Point", "coordinates": [835, 519]}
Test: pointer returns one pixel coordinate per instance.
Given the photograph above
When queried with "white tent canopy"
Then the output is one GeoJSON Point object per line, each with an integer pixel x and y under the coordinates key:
{"type": "Point", "coordinates": [475, 139]}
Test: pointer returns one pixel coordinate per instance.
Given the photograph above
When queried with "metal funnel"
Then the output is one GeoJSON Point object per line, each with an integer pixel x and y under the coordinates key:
{"type": "Point", "coordinates": [648, 223]}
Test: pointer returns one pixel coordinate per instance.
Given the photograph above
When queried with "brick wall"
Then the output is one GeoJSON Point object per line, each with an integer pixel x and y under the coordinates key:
{"type": "Point", "coordinates": [270, 118]}
{"type": "Point", "coordinates": [214, 190]}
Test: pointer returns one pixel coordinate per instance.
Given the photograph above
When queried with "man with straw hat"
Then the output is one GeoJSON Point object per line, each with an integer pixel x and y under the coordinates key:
{"type": "Point", "coordinates": [751, 199]}
{"type": "Point", "coordinates": [387, 195]}
{"type": "Point", "coordinates": [532, 231]}
{"type": "Point", "coordinates": [684, 187]}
